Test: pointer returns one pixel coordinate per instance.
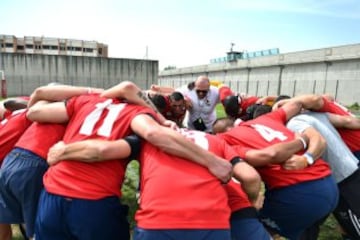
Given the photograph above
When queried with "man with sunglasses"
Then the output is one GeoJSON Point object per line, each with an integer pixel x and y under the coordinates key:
{"type": "Point", "coordinates": [202, 100]}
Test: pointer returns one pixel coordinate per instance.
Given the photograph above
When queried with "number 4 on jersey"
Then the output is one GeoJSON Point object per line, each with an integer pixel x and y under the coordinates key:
{"type": "Point", "coordinates": [269, 134]}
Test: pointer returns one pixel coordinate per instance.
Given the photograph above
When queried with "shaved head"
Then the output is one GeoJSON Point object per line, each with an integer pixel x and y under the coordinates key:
{"type": "Point", "coordinates": [202, 86]}
{"type": "Point", "coordinates": [202, 81]}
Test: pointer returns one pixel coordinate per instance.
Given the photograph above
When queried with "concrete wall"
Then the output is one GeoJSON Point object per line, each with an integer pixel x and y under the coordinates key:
{"type": "Point", "coordinates": [25, 72]}
{"type": "Point", "coordinates": [333, 70]}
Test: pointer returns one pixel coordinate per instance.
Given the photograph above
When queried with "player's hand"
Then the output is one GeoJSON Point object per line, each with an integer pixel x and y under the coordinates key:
{"type": "Point", "coordinates": [262, 100]}
{"type": "Point", "coordinates": [220, 168]}
{"type": "Point", "coordinates": [188, 104]}
{"type": "Point", "coordinates": [296, 162]}
{"type": "Point", "coordinates": [280, 103]}
{"type": "Point", "coordinates": [155, 88]}
{"type": "Point", "coordinates": [170, 124]}
{"type": "Point", "coordinates": [55, 152]}
{"type": "Point", "coordinates": [259, 202]}
{"type": "Point", "coordinates": [97, 90]}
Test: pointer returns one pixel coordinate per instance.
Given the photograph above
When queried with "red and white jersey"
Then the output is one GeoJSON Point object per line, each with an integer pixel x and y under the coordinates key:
{"type": "Point", "coordinates": [11, 129]}
{"type": "Point", "coordinates": [93, 117]}
{"type": "Point", "coordinates": [267, 130]}
{"type": "Point", "coordinates": [351, 137]}
{"type": "Point", "coordinates": [178, 193]}
{"type": "Point", "coordinates": [39, 137]}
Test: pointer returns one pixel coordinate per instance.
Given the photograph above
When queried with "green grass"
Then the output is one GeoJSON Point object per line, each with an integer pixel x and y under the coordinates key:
{"type": "Point", "coordinates": [220, 112]}
{"type": "Point", "coordinates": [16, 232]}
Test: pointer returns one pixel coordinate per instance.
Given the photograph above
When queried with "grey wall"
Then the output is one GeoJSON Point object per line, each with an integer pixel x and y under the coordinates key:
{"type": "Point", "coordinates": [333, 70]}
{"type": "Point", "coordinates": [25, 72]}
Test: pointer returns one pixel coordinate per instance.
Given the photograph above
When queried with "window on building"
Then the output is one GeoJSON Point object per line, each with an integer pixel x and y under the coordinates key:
{"type": "Point", "coordinates": [88, 50]}
{"type": "Point", "coordinates": [20, 47]}
{"type": "Point", "coordinates": [9, 45]}
{"type": "Point", "coordinates": [62, 47]}
{"type": "Point", "coordinates": [30, 46]}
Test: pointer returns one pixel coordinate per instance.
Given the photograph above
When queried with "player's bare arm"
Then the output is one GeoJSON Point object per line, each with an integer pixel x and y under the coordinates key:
{"type": "Point", "coordinates": [54, 112]}
{"type": "Point", "coordinates": [59, 93]}
{"type": "Point", "coordinates": [249, 178]}
{"type": "Point", "coordinates": [94, 150]}
{"type": "Point", "coordinates": [174, 143]}
{"type": "Point", "coordinates": [132, 93]}
{"type": "Point", "coordinates": [343, 121]}
{"type": "Point", "coordinates": [275, 154]}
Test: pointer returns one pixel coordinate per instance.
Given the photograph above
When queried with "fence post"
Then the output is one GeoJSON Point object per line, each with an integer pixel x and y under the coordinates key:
{"type": "Point", "coordinates": [294, 89]}
{"type": "Point", "coordinates": [248, 79]}
{"type": "Point", "coordinates": [314, 87]}
{"type": "Point", "coordinates": [336, 89]}
{"type": "Point", "coordinates": [281, 68]}
{"type": "Point", "coordinates": [3, 85]}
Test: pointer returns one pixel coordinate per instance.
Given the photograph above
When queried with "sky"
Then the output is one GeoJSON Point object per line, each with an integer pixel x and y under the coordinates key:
{"type": "Point", "coordinates": [186, 33]}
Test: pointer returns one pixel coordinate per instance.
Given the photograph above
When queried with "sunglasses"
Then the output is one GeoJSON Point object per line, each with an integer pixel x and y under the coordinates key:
{"type": "Point", "coordinates": [201, 91]}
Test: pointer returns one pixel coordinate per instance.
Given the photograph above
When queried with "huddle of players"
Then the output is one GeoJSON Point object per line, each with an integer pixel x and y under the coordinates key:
{"type": "Point", "coordinates": [180, 199]}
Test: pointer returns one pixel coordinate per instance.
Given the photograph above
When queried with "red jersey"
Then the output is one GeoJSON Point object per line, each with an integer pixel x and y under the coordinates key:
{"type": "Point", "coordinates": [39, 137]}
{"type": "Point", "coordinates": [224, 92]}
{"type": "Point", "coordinates": [267, 130]}
{"type": "Point", "coordinates": [244, 104]}
{"type": "Point", "coordinates": [178, 193]}
{"type": "Point", "coordinates": [167, 110]}
{"type": "Point", "coordinates": [237, 198]}
{"type": "Point", "coordinates": [168, 113]}
{"type": "Point", "coordinates": [350, 137]}
{"type": "Point", "coordinates": [91, 116]}
{"type": "Point", "coordinates": [7, 114]}
{"type": "Point", "coordinates": [11, 130]}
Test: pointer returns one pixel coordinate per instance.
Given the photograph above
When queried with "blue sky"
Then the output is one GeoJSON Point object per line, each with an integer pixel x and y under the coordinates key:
{"type": "Point", "coordinates": [187, 32]}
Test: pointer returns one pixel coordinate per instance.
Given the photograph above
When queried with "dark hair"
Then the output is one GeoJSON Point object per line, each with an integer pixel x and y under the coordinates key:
{"type": "Point", "coordinates": [250, 110]}
{"type": "Point", "coordinates": [159, 101]}
{"type": "Point", "coordinates": [231, 106]}
{"type": "Point", "coordinates": [176, 96]}
{"type": "Point", "coordinates": [261, 110]}
{"type": "Point", "coordinates": [15, 104]}
{"type": "Point", "coordinates": [221, 124]}
{"type": "Point", "coordinates": [281, 97]}
{"type": "Point", "coordinates": [191, 85]}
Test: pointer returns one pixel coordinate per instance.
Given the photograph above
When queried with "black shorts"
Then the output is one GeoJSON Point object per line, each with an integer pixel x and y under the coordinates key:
{"type": "Point", "coordinates": [349, 190]}
{"type": "Point", "coordinates": [347, 212]}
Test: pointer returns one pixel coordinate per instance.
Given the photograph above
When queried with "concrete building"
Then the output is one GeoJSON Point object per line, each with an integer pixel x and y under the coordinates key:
{"type": "Point", "coordinates": [29, 62]}
{"type": "Point", "coordinates": [52, 46]}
